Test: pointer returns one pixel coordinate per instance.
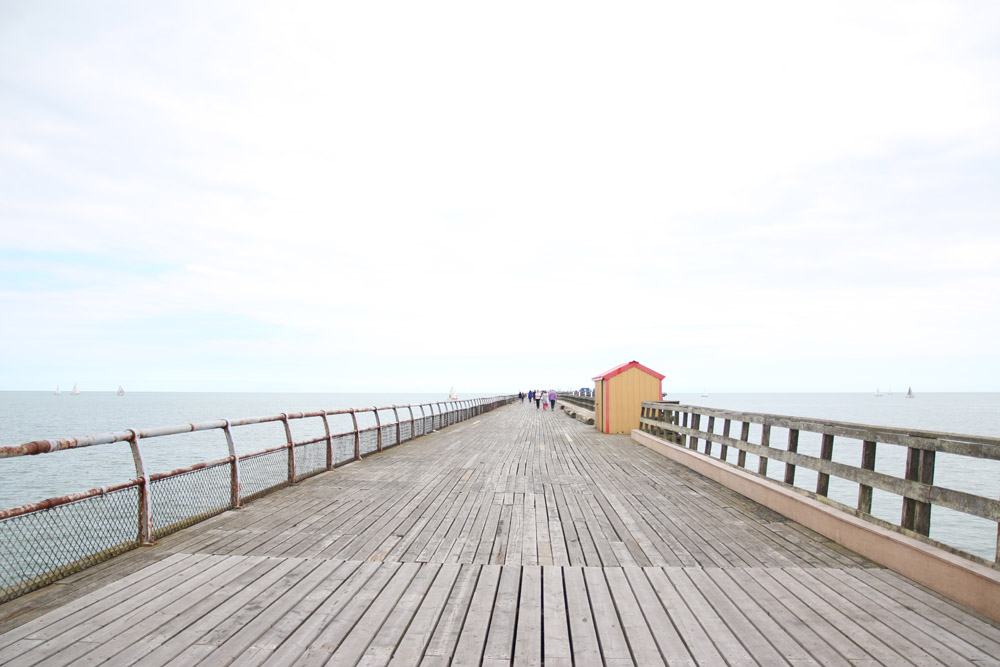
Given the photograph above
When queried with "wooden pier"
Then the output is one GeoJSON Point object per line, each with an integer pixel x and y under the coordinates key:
{"type": "Point", "coordinates": [517, 537]}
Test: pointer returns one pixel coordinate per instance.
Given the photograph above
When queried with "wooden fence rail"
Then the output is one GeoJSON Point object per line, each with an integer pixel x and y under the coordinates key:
{"type": "Point", "coordinates": [701, 429]}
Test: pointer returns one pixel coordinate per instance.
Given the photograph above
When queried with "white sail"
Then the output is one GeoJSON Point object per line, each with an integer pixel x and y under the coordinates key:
{"type": "Point", "coordinates": [909, 392]}
{"type": "Point", "coordinates": [75, 390]}
{"type": "Point", "coordinates": [452, 395]}
{"type": "Point", "coordinates": [121, 392]}
{"type": "Point", "coordinates": [877, 392]}
{"type": "Point", "coordinates": [57, 390]}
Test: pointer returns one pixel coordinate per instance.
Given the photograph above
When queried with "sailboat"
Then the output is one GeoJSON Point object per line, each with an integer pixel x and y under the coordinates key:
{"type": "Point", "coordinates": [121, 392]}
{"type": "Point", "coordinates": [452, 395]}
{"type": "Point", "coordinates": [877, 392]}
{"type": "Point", "coordinates": [909, 392]}
{"type": "Point", "coordinates": [57, 390]}
{"type": "Point", "coordinates": [75, 390]}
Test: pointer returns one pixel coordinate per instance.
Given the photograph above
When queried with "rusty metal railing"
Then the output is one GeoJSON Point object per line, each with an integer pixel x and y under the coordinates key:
{"type": "Point", "coordinates": [45, 541]}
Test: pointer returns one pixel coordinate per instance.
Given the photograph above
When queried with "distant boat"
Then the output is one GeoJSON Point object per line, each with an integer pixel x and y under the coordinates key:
{"type": "Point", "coordinates": [877, 392]}
{"type": "Point", "coordinates": [704, 393]}
{"type": "Point", "coordinates": [909, 392]}
{"type": "Point", "coordinates": [57, 390]}
{"type": "Point", "coordinates": [75, 390]}
{"type": "Point", "coordinates": [121, 392]}
{"type": "Point", "coordinates": [452, 395]}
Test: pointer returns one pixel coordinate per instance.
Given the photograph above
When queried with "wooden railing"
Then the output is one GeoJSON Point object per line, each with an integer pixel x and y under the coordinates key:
{"type": "Point", "coordinates": [914, 453]}
{"type": "Point", "coordinates": [586, 402]}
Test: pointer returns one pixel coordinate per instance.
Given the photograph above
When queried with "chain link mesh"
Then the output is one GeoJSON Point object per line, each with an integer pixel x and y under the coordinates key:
{"type": "Point", "coordinates": [343, 449]}
{"type": "Point", "coordinates": [310, 459]}
{"type": "Point", "coordinates": [369, 442]}
{"type": "Point", "coordinates": [261, 473]}
{"type": "Point", "coordinates": [44, 546]}
{"type": "Point", "coordinates": [405, 431]}
{"type": "Point", "coordinates": [183, 500]}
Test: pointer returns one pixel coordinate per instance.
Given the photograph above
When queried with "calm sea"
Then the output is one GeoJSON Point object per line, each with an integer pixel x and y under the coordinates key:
{"type": "Point", "coordinates": [27, 416]}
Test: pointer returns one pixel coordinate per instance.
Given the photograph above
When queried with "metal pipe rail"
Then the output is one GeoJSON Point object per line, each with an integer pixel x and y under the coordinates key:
{"type": "Point", "coordinates": [45, 541]}
{"type": "Point", "coordinates": [682, 425]}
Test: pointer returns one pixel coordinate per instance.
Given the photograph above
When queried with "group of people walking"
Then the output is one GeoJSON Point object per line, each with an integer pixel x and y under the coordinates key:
{"type": "Point", "coordinates": [541, 398]}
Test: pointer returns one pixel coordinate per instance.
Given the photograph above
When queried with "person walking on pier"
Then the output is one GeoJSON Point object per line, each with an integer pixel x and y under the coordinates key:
{"type": "Point", "coordinates": [552, 399]}
{"type": "Point", "coordinates": [538, 400]}
{"type": "Point", "coordinates": [531, 396]}
{"type": "Point", "coordinates": [545, 400]}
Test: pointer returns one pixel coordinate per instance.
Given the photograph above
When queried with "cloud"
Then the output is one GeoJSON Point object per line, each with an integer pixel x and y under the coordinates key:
{"type": "Point", "coordinates": [440, 182]}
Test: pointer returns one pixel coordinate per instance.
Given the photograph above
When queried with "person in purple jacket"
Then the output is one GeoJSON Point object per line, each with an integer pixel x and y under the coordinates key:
{"type": "Point", "coordinates": [552, 399]}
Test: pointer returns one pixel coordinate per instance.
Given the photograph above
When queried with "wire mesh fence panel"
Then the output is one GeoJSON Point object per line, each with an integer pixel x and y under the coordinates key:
{"type": "Point", "coordinates": [185, 499]}
{"type": "Point", "coordinates": [405, 431]}
{"type": "Point", "coordinates": [369, 442]}
{"type": "Point", "coordinates": [44, 546]}
{"type": "Point", "coordinates": [310, 459]}
{"type": "Point", "coordinates": [343, 449]}
{"type": "Point", "coordinates": [262, 473]}
{"type": "Point", "coordinates": [388, 436]}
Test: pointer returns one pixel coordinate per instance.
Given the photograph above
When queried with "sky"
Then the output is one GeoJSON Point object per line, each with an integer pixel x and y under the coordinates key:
{"type": "Point", "coordinates": [411, 196]}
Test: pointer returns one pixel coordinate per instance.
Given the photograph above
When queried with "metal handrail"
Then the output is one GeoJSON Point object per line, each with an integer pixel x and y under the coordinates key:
{"type": "Point", "coordinates": [388, 433]}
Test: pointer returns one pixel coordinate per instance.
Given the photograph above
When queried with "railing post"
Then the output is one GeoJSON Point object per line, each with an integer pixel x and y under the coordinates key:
{"type": "Point", "coordinates": [695, 426]}
{"type": "Point", "coordinates": [708, 438]}
{"type": "Point", "coordinates": [867, 463]}
{"type": "Point", "coordinates": [423, 420]}
{"type": "Point", "coordinates": [399, 434]}
{"type": "Point", "coordinates": [378, 428]}
{"type": "Point", "coordinates": [765, 441]}
{"type": "Point", "coordinates": [741, 458]}
{"type": "Point", "coordinates": [357, 436]}
{"type": "Point", "coordinates": [291, 449]}
{"type": "Point", "coordinates": [145, 533]}
{"type": "Point", "coordinates": [724, 451]}
{"type": "Point", "coordinates": [235, 499]}
{"type": "Point", "coordinates": [329, 442]}
{"type": "Point", "coordinates": [413, 433]}
{"type": "Point", "coordinates": [919, 468]}
{"type": "Point", "coordinates": [825, 453]}
{"type": "Point", "coordinates": [793, 446]}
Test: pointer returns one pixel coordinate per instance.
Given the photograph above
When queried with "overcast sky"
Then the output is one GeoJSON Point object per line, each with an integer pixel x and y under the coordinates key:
{"type": "Point", "coordinates": [375, 196]}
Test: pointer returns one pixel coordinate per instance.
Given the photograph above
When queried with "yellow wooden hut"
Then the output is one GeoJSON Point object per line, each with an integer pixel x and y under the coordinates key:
{"type": "Point", "coordinates": [619, 393]}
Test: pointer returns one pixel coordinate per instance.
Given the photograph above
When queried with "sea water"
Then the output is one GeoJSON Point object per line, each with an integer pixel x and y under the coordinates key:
{"type": "Point", "coordinates": [27, 416]}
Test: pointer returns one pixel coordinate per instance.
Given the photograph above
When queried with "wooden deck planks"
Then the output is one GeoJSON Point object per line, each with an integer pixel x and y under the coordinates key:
{"type": "Point", "coordinates": [519, 538]}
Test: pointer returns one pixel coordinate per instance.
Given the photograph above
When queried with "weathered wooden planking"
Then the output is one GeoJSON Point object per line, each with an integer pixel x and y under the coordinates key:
{"type": "Point", "coordinates": [517, 539]}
